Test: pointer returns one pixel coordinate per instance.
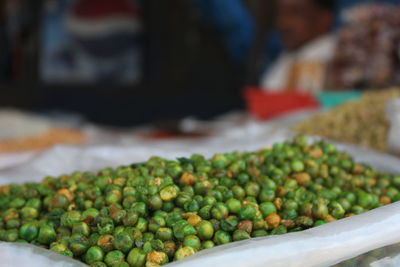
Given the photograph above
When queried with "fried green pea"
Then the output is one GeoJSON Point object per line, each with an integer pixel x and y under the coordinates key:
{"type": "Point", "coordinates": [192, 241]}
{"type": "Point", "coordinates": [123, 242]}
{"type": "Point", "coordinates": [29, 231]}
{"type": "Point", "coordinates": [79, 244]}
{"type": "Point", "coordinates": [205, 230]}
{"type": "Point", "coordinates": [222, 237]}
{"type": "Point", "coordinates": [46, 235]}
{"type": "Point", "coordinates": [114, 257]}
{"type": "Point", "coordinates": [68, 219]}
{"type": "Point", "coordinates": [136, 257]}
{"type": "Point", "coordinates": [183, 253]}
{"type": "Point", "coordinates": [94, 254]}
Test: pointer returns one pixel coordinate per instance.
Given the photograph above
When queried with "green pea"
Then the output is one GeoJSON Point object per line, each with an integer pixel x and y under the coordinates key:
{"type": "Point", "coordinates": [89, 214]}
{"type": "Point", "coordinates": [192, 241]}
{"type": "Point", "coordinates": [131, 218]}
{"type": "Point", "coordinates": [219, 211]}
{"type": "Point", "coordinates": [136, 258]}
{"type": "Point", "coordinates": [248, 212]}
{"type": "Point", "coordinates": [320, 211]}
{"type": "Point", "coordinates": [351, 197]}
{"type": "Point", "coordinates": [188, 230]}
{"type": "Point", "coordinates": [105, 226]}
{"type": "Point", "coordinates": [81, 228]}
{"type": "Point", "coordinates": [267, 195]}
{"type": "Point", "coordinates": [147, 237]}
{"type": "Point", "coordinates": [29, 231]}
{"type": "Point", "coordinates": [183, 253]}
{"type": "Point", "coordinates": [205, 212]}
{"type": "Point", "coordinates": [191, 206]}
{"type": "Point", "coordinates": [297, 166]}
{"type": "Point", "coordinates": [29, 213]}
{"type": "Point", "coordinates": [209, 201]}
{"type": "Point", "coordinates": [164, 234]}
{"type": "Point", "coordinates": [290, 205]}
{"type": "Point", "coordinates": [207, 244]}
{"type": "Point", "coordinates": [219, 161]}
{"type": "Point", "coordinates": [364, 199]}
{"type": "Point", "coordinates": [222, 237]}
{"type": "Point", "coordinates": [118, 230]}
{"type": "Point", "coordinates": [229, 224]}
{"type": "Point", "coordinates": [205, 230]}
{"type": "Point", "coordinates": [170, 248]}
{"type": "Point", "coordinates": [304, 221]}
{"type": "Point", "coordinates": [238, 192]}
{"type": "Point", "coordinates": [46, 235]}
{"type": "Point", "coordinates": [337, 210]}
{"type": "Point", "coordinates": [239, 235]}
{"type": "Point", "coordinates": [259, 233]}
{"type": "Point", "coordinates": [319, 223]}
{"type": "Point", "coordinates": [94, 238]}
{"type": "Point", "coordinates": [140, 208]}
{"type": "Point", "coordinates": [155, 202]}
{"type": "Point", "coordinates": [123, 242]}
{"type": "Point", "coordinates": [61, 249]}
{"type": "Point", "coordinates": [168, 193]}
{"type": "Point", "coordinates": [243, 178]}
{"type": "Point", "coordinates": [17, 203]}
{"type": "Point", "coordinates": [79, 244]}
{"type": "Point", "coordinates": [268, 183]}
{"type": "Point", "coordinates": [113, 197]}
{"type": "Point", "coordinates": [11, 235]}
{"type": "Point", "coordinates": [13, 224]}
{"type": "Point", "coordinates": [114, 257]}
{"type": "Point", "coordinates": [345, 203]}
{"type": "Point", "coordinates": [252, 189]}
{"type": "Point", "coordinates": [279, 230]}
{"type": "Point", "coordinates": [357, 209]}
{"type": "Point", "coordinates": [267, 208]}
{"type": "Point", "coordinates": [35, 203]}
{"type": "Point", "coordinates": [68, 219]}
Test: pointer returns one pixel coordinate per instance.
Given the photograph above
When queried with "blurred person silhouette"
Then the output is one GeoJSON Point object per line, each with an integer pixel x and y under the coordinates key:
{"type": "Point", "coordinates": [305, 28]}
{"type": "Point", "coordinates": [296, 53]}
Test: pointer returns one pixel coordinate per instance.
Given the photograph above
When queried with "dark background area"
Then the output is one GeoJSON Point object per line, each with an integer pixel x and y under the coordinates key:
{"type": "Point", "coordinates": [187, 70]}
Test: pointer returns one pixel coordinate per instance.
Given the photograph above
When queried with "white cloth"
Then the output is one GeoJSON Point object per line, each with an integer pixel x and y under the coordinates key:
{"type": "Point", "coordinates": [320, 50]}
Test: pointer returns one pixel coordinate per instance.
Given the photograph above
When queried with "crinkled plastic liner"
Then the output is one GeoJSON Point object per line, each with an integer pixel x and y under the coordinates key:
{"type": "Point", "coordinates": [322, 246]}
{"type": "Point", "coordinates": [388, 256]}
{"type": "Point", "coordinates": [393, 113]}
{"type": "Point", "coordinates": [18, 254]}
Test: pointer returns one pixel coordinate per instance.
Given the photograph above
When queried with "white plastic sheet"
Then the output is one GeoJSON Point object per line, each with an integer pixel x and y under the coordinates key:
{"type": "Point", "coordinates": [393, 114]}
{"type": "Point", "coordinates": [322, 246]}
{"type": "Point", "coordinates": [20, 255]}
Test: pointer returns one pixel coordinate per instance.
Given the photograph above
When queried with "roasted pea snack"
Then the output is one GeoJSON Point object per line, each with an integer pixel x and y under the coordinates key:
{"type": "Point", "coordinates": [155, 212]}
{"type": "Point", "coordinates": [362, 122]}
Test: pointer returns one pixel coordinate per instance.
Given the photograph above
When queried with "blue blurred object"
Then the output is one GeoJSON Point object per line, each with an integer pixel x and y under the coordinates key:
{"type": "Point", "coordinates": [333, 99]}
{"type": "Point", "coordinates": [231, 19]}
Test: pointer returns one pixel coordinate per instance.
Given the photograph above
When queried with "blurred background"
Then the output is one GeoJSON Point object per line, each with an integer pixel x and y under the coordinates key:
{"type": "Point", "coordinates": [134, 62]}
{"type": "Point", "coordinates": [117, 62]}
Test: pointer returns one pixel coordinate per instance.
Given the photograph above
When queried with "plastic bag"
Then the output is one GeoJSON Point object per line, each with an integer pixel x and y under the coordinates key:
{"type": "Point", "coordinates": [322, 246]}
{"type": "Point", "coordinates": [18, 254]}
{"type": "Point", "coordinates": [393, 114]}
{"type": "Point", "coordinates": [388, 256]}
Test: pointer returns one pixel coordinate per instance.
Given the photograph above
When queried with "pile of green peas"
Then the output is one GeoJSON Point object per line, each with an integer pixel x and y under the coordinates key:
{"type": "Point", "coordinates": [159, 211]}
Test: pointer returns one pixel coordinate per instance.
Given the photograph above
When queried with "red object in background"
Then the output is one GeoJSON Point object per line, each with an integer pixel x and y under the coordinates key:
{"type": "Point", "coordinates": [266, 105]}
